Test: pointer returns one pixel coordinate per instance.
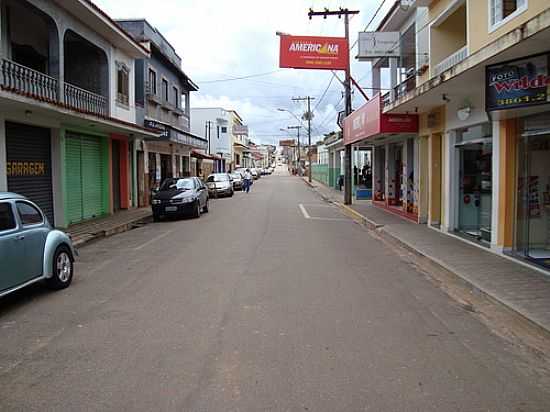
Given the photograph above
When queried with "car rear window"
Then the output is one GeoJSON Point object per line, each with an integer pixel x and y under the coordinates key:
{"type": "Point", "coordinates": [218, 178]}
{"type": "Point", "coordinates": [7, 220]}
{"type": "Point", "coordinates": [28, 214]}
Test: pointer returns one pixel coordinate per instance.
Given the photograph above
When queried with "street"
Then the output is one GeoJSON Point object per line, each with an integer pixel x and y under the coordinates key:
{"type": "Point", "coordinates": [276, 302]}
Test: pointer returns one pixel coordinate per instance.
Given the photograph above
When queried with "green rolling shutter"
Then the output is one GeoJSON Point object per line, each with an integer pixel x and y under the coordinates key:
{"type": "Point", "coordinates": [73, 206]}
{"type": "Point", "coordinates": [85, 177]}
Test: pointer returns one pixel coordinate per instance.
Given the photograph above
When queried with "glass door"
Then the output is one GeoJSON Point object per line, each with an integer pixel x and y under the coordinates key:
{"type": "Point", "coordinates": [533, 208]}
{"type": "Point", "coordinates": [475, 197]}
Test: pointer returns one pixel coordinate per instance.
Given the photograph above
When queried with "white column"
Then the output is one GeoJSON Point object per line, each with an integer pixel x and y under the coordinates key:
{"type": "Point", "coordinates": [3, 156]}
{"type": "Point", "coordinates": [393, 76]}
{"type": "Point", "coordinates": [387, 173]}
{"type": "Point", "coordinates": [376, 80]}
{"type": "Point", "coordinates": [495, 185]}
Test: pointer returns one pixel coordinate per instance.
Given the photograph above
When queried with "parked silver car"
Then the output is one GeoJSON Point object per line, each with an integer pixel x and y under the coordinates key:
{"type": "Point", "coordinates": [237, 180]}
{"type": "Point", "coordinates": [31, 250]}
{"type": "Point", "coordinates": [220, 184]}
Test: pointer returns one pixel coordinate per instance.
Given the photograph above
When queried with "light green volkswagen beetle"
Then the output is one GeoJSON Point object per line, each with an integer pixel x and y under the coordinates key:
{"type": "Point", "coordinates": [31, 250]}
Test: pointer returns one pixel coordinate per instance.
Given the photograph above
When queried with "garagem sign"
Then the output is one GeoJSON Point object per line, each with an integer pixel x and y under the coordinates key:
{"type": "Point", "coordinates": [311, 52]}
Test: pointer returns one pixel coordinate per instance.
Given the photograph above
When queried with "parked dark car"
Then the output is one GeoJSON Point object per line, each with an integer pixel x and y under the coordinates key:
{"type": "Point", "coordinates": [31, 250]}
{"type": "Point", "coordinates": [220, 184]}
{"type": "Point", "coordinates": [180, 196]}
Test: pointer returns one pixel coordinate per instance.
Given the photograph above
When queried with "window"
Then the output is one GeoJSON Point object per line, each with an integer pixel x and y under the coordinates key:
{"type": "Point", "coordinates": [7, 220]}
{"type": "Point", "coordinates": [165, 89]}
{"type": "Point", "coordinates": [28, 214]}
{"type": "Point", "coordinates": [224, 129]}
{"type": "Point", "coordinates": [218, 131]}
{"type": "Point", "coordinates": [152, 82]}
{"type": "Point", "coordinates": [123, 83]}
{"type": "Point", "coordinates": [176, 97]}
{"type": "Point", "coordinates": [503, 10]}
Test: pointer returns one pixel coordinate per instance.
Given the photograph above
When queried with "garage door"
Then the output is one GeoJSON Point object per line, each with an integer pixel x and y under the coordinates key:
{"type": "Point", "coordinates": [85, 177]}
{"type": "Point", "coordinates": [29, 168]}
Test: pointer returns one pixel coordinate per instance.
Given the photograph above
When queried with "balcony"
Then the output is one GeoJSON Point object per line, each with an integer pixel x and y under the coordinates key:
{"type": "Point", "coordinates": [25, 81]}
{"type": "Point", "coordinates": [450, 61]}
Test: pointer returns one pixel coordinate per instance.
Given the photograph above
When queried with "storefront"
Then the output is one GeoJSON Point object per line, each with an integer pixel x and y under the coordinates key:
{"type": "Point", "coordinates": [518, 99]}
{"type": "Point", "coordinates": [474, 152]}
{"type": "Point", "coordinates": [86, 176]}
{"type": "Point", "coordinates": [29, 164]}
{"type": "Point", "coordinates": [394, 138]}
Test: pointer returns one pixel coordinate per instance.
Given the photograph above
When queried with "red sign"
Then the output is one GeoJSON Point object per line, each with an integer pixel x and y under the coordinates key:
{"type": "Point", "coordinates": [310, 52]}
{"type": "Point", "coordinates": [368, 121]}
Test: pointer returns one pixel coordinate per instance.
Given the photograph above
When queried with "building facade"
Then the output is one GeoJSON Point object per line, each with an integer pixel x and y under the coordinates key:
{"type": "Point", "coordinates": [479, 86]}
{"type": "Point", "coordinates": [162, 101]}
{"type": "Point", "coordinates": [67, 124]}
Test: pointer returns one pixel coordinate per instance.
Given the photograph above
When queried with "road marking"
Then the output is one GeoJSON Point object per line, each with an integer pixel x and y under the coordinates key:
{"type": "Point", "coordinates": [304, 211]}
{"type": "Point", "coordinates": [307, 216]}
{"type": "Point", "coordinates": [153, 240]}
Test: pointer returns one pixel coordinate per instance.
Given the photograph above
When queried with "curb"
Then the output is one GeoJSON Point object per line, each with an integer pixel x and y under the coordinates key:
{"type": "Point", "coordinates": [121, 228]}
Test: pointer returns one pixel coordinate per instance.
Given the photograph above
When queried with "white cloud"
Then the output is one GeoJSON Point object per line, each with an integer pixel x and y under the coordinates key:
{"type": "Point", "coordinates": [220, 38]}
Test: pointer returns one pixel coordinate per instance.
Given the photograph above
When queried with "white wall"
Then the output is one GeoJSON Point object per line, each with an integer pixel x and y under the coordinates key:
{"type": "Point", "coordinates": [199, 117]}
{"type": "Point", "coordinates": [118, 111]}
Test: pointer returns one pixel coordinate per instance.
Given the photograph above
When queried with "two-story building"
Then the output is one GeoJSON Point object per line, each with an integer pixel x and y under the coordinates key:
{"type": "Point", "coordinates": [162, 101]}
{"type": "Point", "coordinates": [479, 85]}
{"type": "Point", "coordinates": [67, 119]}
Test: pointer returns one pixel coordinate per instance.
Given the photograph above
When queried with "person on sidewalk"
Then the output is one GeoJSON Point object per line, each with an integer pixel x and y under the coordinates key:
{"type": "Point", "coordinates": [247, 180]}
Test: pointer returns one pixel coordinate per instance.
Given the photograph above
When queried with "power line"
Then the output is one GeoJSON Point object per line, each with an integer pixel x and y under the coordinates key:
{"type": "Point", "coordinates": [230, 79]}
{"type": "Point", "coordinates": [324, 93]}
{"type": "Point", "coordinates": [370, 21]}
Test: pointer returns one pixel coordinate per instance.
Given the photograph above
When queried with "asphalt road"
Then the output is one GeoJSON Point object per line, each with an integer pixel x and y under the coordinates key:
{"type": "Point", "coordinates": [273, 301]}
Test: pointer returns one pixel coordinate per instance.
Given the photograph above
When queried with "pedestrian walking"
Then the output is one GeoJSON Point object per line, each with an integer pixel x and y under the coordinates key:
{"type": "Point", "coordinates": [247, 180]}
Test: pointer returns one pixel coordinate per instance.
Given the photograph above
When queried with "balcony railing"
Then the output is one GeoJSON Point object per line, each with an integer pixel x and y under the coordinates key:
{"type": "Point", "coordinates": [450, 61]}
{"type": "Point", "coordinates": [405, 86]}
{"type": "Point", "coordinates": [85, 101]}
{"type": "Point", "coordinates": [24, 80]}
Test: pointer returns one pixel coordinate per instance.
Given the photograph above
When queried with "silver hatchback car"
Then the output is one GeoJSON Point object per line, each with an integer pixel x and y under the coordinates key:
{"type": "Point", "coordinates": [31, 250]}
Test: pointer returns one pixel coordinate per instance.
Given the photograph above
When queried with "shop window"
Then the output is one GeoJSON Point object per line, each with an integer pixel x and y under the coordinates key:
{"type": "Point", "coordinates": [501, 11]}
{"type": "Point", "coordinates": [123, 83]}
{"type": "Point", "coordinates": [176, 97]}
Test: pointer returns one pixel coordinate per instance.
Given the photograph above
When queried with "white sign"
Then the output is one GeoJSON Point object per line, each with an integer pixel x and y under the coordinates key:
{"type": "Point", "coordinates": [376, 44]}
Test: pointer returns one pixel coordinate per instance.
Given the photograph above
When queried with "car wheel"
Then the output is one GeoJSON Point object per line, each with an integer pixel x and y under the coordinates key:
{"type": "Point", "coordinates": [63, 269]}
{"type": "Point", "coordinates": [197, 212]}
{"type": "Point", "coordinates": [232, 193]}
{"type": "Point", "coordinates": [205, 208]}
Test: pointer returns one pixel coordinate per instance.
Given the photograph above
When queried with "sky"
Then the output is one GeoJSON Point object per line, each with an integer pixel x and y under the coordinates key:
{"type": "Point", "coordinates": [221, 39]}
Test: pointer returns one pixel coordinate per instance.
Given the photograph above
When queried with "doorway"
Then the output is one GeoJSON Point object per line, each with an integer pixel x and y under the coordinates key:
{"type": "Point", "coordinates": [533, 201]}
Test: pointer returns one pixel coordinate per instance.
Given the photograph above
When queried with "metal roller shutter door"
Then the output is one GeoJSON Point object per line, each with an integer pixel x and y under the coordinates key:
{"type": "Point", "coordinates": [25, 146]}
{"type": "Point", "coordinates": [85, 177]}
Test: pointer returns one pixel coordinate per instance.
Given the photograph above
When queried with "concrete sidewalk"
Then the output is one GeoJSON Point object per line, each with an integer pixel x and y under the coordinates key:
{"type": "Point", "coordinates": [517, 286]}
{"type": "Point", "coordinates": [121, 221]}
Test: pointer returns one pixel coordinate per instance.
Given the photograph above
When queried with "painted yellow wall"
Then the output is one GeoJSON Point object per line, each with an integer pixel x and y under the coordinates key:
{"type": "Point", "coordinates": [479, 25]}
{"type": "Point", "coordinates": [509, 130]}
{"type": "Point", "coordinates": [435, 170]}
{"type": "Point", "coordinates": [448, 37]}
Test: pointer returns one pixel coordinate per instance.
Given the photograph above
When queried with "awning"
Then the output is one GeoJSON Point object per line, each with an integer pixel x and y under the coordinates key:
{"type": "Point", "coordinates": [199, 155]}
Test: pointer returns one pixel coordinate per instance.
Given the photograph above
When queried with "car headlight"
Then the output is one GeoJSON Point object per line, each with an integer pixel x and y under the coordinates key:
{"type": "Point", "coordinates": [156, 202]}
{"type": "Point", "coordinates": [187, 199]}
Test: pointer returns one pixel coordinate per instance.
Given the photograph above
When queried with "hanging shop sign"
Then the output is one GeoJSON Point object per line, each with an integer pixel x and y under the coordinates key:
{"type": "Point", "coordinates": [240, 130]}
{"type": "Point", "coordinates": [312, 52]}
{"type": "Point", "coordinates": [518, 83]}
{"type": "Point", "coordinates": [377, 44]}
{"type": "Point", "coordinates": [158, 126]}
{"type": "Point", "coordinates": [287, 143]}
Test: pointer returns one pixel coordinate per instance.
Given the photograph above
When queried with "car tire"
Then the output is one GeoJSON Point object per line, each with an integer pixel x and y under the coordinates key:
{"type": "Point", "coordinates": [205, 208]}
{"type": "Point", "coordinates": [232, 193]}
{"type": "Point", "coordinates": [63, 269]}
{"type": "Point", "coordinates": [197, 211]}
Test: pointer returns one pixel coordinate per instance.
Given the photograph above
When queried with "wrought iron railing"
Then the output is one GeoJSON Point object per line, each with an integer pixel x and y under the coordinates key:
{"type": "Point", "coordinates": [24, 80]}
{"type": "Point", "coordinates": [85, 101]}
{"type": "Point", "coordinates": [405, 86]}
{"type": "Point", "coordinates": [450, 61]}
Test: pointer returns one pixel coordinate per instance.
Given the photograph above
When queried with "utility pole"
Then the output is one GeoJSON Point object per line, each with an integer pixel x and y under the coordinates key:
{"type": "Point", "coordinates": [298, 157]}
{"type": "Point", "coordinates": [309, 117]}
{"type": "Point", "coordinates": [347, 85]}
